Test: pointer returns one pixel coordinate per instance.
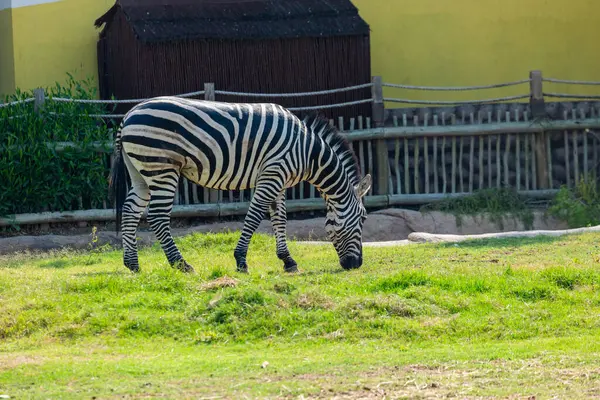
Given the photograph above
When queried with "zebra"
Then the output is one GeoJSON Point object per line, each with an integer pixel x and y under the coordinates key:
{"type": "Point", "coordinates": [233, 146]}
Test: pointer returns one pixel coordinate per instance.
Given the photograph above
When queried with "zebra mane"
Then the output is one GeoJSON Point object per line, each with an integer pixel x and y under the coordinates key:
{"type": "Point", "coordinates": [320, 126]}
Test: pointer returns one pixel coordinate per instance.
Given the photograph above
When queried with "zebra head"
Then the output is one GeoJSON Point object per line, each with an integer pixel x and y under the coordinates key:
{"type": "Point", "coordinates": [344, 224]}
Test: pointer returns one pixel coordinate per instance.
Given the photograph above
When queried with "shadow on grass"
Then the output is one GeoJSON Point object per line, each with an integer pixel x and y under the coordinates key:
{"type": "Point", "coordinates": [505, 242]}
{"type": "Point", "coordinates": [103, 273]}
{"type": "Point", "coordinates": [56, 264]}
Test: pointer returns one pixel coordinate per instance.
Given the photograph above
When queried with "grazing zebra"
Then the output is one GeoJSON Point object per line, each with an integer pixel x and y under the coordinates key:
{"type": "Point", "coordinates": [230, 146]}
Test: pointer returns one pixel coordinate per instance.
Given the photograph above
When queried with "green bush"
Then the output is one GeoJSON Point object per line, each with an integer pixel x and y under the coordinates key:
{"type": "Point", "coordinates": [579, 206]}
{"type": "Point", "coordinates": [34, 175]}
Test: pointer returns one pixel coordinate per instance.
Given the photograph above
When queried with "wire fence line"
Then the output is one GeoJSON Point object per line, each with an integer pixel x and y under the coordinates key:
{"type": "Point", "coordinates": [341, 90]}
{"type": "Point", "coordinates": [569, 82]}
{"type": "Point", "coordinates": [299, 94]}
{"type": "Point", "coordinates": [126, 101]}
{"type": "Point", "coordinates": [572, 96]}
{"type": "Point", "coordinates": [450, 102]}
{"type": "Point", "coordinates": [89, 115]}
{"type": "Point", "coordinates": [288, 95]}
{"type": "Point", "coordinates": [92, 101]}
{"type": "Point", "coordinates": [455, 88]}
{"type": "Point", "coordinates": [348, 103]}
{"type": "Point", "coordinates": [18, 102]}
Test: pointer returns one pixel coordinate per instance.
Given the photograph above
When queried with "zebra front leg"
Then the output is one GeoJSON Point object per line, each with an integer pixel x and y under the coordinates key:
{"type": "Point", "coordinates": [133, 208]}
{"type": "Point", "coordinates": [159, 218]}
{"type": "Point", "coordinates": [279, 220]}
{"type": "Point", "coordinates": [265, 193]}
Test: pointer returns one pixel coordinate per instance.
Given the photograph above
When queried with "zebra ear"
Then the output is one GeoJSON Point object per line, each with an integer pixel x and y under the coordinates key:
{"type": "Point", "coordinates": [363, 186]}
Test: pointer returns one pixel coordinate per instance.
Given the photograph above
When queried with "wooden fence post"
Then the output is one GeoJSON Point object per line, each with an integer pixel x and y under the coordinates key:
{"type": "Point", "coordinates": [383, 168]}
{"type": "Point", "coordinates": [536, 94]}
{"type": "Point", "coordinates": [214, 196]}
{"type": "Point", "coordinates": [538, 111]}
{"type": "Point", "coordinates": [209, 91]}
{"type": "Point", "coordinates": [39, 99]}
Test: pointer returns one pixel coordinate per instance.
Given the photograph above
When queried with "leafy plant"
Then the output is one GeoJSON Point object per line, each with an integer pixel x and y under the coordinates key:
{"type": "Point", "coordinates": [496, 203]}
{"type": "Point", "coordinates": [37, 175]}
{"type": "Point", "coordinates": [579, 206]}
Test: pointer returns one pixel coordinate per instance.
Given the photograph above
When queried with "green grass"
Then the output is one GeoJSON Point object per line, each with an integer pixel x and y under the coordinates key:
{"type": "Point", "coordinates": [487, 318]}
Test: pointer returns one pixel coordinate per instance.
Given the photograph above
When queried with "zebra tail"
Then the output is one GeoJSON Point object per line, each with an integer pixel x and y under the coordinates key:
{"type": "Point", "coordinates": [118, 179]}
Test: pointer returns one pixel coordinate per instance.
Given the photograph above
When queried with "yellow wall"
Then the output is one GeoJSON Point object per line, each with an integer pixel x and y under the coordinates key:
{"type": "Point", "coordinates": [424, 42]}
{"type": "Point", "coordinates": [476, 42]}
{"type": "Point", "coordinates": [53, 39]}
{"type": "Point", "coordinates": [7, 68]}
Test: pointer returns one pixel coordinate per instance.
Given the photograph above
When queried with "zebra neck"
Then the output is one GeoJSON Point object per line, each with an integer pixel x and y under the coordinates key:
{"type": "Point", "coordinates": [325, 171]}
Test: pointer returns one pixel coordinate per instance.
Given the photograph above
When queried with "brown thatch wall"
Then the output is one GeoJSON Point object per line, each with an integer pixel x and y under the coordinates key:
{"type": "Point", "coordinates": [134, 68]}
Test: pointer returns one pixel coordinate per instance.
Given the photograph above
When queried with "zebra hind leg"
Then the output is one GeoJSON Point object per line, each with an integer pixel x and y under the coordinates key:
{"type": "Point", "coordinates": [264, 194]}
{"type": "Point", "coordinates": [279, 219]}
{"type": "Point", "coordinates": [163, 188]}
{"type": "Point", "coordinates": [135, 203]}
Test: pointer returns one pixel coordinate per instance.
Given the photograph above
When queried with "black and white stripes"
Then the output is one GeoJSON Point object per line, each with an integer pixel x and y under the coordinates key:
{"type": "Point", "coordinates": [234, 147]}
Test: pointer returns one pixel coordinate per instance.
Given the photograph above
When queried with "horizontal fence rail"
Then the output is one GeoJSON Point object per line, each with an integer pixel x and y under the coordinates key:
{"type": "Point", "coordinates": [416, 155]}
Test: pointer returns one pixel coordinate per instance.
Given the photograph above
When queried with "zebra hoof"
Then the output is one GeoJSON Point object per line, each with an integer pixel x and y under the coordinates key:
{"type": "Point", "coordinates": [242, 268]}
{"type": "Point", "coordinates": [133, 267]}
{"type": "Point", "coordinates": [183, 266]}
{"type": "Point", "coordinates": [290, 267]}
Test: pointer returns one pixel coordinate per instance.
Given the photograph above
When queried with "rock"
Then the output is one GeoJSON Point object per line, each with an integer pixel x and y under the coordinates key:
{"type": "Point", "coordinates": [380, 227]}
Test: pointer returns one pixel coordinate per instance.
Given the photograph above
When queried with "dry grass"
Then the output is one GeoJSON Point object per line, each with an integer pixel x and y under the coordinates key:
{"type": "Point", "coordinates": [220, 283]}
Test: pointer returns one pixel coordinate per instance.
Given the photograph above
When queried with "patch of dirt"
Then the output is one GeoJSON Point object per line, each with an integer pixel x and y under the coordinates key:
{"type": "Point", "coordinates": [309, 301]}
{"type": "Point", "coordinates": [523, 380]}
{"type": "Point", "coordinates": [219, 283]}
{"type": "Point", "coordinates": [8, 362]}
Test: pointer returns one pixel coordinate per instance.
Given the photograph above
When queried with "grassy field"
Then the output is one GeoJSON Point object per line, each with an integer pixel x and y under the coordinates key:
{"type": "Point", "coordinates": [493, 319]}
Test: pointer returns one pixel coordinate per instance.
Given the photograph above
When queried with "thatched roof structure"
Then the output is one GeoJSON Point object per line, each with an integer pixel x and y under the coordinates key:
{"type": "Point", "coordinates": [165, 20]}
{"type": "Point", "coordinates": [150, 48]}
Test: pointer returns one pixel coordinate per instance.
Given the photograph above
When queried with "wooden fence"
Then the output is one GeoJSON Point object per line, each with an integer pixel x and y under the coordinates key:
{"type": "Point", "coordinates": [422, 153]}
